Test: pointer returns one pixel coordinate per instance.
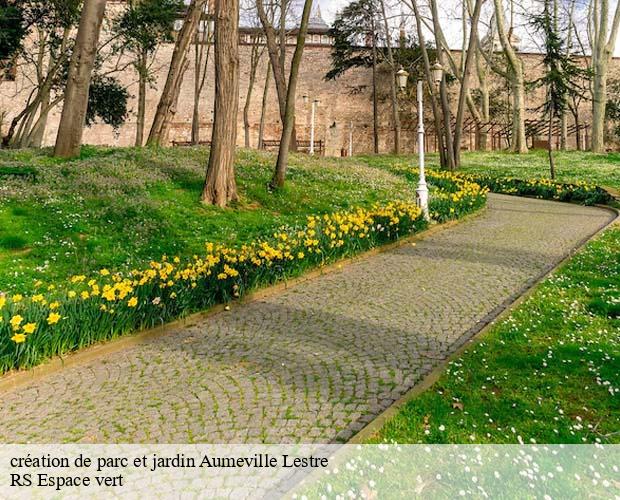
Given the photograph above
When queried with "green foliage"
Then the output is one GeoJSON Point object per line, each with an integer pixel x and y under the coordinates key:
{"type": "Point", "coordinates": [12, 30]}
{"type": "Point", "coordinates": [562, 75]}
{"type": "Point", "coordinates": [107, 100]}
{"type": "Point", "coordinates": [583, 193]}
{"type": "Point", "coordinates": [146, 24]}
{"type": "Point", "coordinates": [353, 27]}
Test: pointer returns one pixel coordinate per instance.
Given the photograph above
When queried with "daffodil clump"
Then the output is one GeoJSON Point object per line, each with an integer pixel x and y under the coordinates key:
{"type": "Point", "coordinates": [61, 318]}
{"type": "Point", "coordinates": [454, 196]}
{"type": "Point", "coordinates": [87, 309]}
{"type": "Point", "coordinates": [577, 192]}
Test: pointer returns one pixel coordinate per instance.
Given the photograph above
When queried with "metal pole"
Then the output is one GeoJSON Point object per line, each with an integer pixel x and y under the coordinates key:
{"type": "Point", "coordinates": [312, 127]}
{"type": "Point", "coordinates": [422, 191]}
{"type": "Point", "coordinates": [351, 140]}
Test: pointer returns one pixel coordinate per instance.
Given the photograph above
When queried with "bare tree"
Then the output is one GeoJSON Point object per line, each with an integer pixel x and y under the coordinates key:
{"type": "Point", "coordinates": [289, 115]}
{"type": "Point", "coordinates": [255, 58]}
{"type": "Point", "coordinates": [178, 66]}
{"type": "Point", "coordinates": [69, 138]}
{"type": "Point", "coordinates": [202, 51]}
{"type": "Point", "coordinates": [263, 112]}
{"type": "Point", "coordinates": [603, 41]}
{"type": "Point", "coordinates": [276, 48]}
{"type": "Point", "coordinates": [513, 73]}
{"type": "Point", "coordinates": [220, 187]}
{"type": "Point", "coordinates": [392, 70]}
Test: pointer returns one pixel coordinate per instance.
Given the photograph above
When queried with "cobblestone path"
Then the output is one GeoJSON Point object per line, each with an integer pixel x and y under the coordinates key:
{"type": "Point", "coordinates": [316, 362]}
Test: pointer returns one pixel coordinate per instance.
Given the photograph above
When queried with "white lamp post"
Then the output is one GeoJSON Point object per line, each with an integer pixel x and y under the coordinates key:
{"type": "Point", "coordinates": [437, 76]}
{"type": "Point", "coordinates": [351, 140]}
{"type": "Point", "coordinates": [315, 103]}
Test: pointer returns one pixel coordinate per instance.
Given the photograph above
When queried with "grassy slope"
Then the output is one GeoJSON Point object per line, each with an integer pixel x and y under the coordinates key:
{"type": "Point", "coordinates": [603, 170]}
{"type": "Point", "coordinates": [550, 372]}
{"type": "Point", "coordinates": [116, 208]}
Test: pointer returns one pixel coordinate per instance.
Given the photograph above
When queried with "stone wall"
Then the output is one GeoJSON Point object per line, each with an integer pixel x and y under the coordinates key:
{"type": "Point", "coordinates": [342, 102]}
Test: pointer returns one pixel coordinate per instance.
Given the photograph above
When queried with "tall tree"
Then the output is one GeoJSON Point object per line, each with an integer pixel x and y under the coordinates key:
{"type": "Point", "coordinates": [603, 42]}
{"type": "Point", "coordinates": [256, 55]}
{"type": "Point", "coordinates": [276, 40]}
{"type": "Point", "coordinates": [178, 65]}
{"type": "Point", "coordinates": [142, 27]}
{"type": "Point", "coordinates": [355, 45]}
{"type": "Point", "coordinates": [69, 138]}
{"type": "Point", "coordinates": [49, 26]}
{"type": "Point", "coordinates": [279, 174]}
{"type": "Point", "coordinates": [513, 73]}
{"type": "Point", "coordinates": [561, 73]}
{"type": "Point", "coordinates": [202, 51]}
{"type": "Point", "coordinates": [392, 69]}
{"type": "Point", "coordinates": [220, 187]}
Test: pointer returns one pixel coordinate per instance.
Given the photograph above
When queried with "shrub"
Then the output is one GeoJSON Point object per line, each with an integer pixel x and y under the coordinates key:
{"type": "Point", "coordinates": [579, 192]}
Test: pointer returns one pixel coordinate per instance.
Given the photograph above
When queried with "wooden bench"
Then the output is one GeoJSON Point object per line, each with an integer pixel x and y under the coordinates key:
{"type": "Point", "coordinates": [302, 146]}
{"type": "Point", "coordinates": [184, 144]}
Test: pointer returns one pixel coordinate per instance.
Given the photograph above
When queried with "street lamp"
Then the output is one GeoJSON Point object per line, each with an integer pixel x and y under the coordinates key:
{"type": "Point", "coordinates": [437, 77]}
{"type": "Point", "coordinates": [315, 104]}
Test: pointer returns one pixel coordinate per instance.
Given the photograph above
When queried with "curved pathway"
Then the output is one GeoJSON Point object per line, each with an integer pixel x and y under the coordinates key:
{"type": "Point", "coordinates": [316, 362]}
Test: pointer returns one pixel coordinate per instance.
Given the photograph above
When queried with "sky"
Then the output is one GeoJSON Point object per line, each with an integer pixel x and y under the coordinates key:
{"type": "Point", "coordinates": [329, 8]}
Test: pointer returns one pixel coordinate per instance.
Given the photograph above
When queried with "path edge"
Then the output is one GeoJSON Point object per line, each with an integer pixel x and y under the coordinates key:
{"type": "Point", "coordinates": [476, 335]}
{"type": "Point", "coordinates": [15, 379]}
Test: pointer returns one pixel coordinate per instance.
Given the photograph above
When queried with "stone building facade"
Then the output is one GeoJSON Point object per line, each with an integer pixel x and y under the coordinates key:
{"type": "Point", "coordinates": [345, 104]}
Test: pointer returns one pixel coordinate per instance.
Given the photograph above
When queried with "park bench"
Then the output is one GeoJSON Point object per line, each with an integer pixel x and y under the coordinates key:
{"type": "Point", "coordinates": [190, 143]}
{"type": "Point", "coordinates": [302, 146]}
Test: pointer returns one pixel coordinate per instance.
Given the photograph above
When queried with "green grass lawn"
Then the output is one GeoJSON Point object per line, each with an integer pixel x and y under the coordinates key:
{"type": "Point", "coordinates": [120, 208]}
{"type": "Point", "coordinates": [550, 372]}
{"type": "Point", "coordinates": [572, 166]}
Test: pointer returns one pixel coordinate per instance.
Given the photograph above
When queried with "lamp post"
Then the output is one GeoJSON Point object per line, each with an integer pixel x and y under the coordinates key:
{"type": "Point", "coordinates": [315, 104]}
{"type": "Point", "coordinates": [402, 77]}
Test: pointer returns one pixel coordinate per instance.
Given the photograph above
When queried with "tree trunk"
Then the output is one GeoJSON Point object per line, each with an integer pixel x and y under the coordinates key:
{"type": "Point", "coordinates": [393, 91]}
{"type": "Point", "coordinates": [201, 53]}
{"type": "Point", "coordinates": [519, 141]}
{"type": "Point", "coordinates": [220, 187]}
{"type": "Point", "coordinates": [276, 48]}
{"type": "Point", "coordinates": [466, 72]}
{"type": "Point", "coordinates": [599, 103]}
{"type": "Point", "coordinates": [263, 112]}
{"type": "Point", "coordinates": [69, 139]}
{"type": "Point", "coordinates": [254, 62]}
{"type": "Point", "coordinates": [142, 75]}
{"type": "Point", "coordinates": [178, 66]}
{"type": "Point", "coordinates": [603, 45]}
{"type": "Point", "coordinates": [516, 80]}
{"type": "Point", "coordinates": [176, 93]}
{"type": "Point", "coordinates": [375, 97]}
{"type": "Point", "coordinates": [289, 117]}
{"type": "Point", "coordinates": [429, 81]}
{"type": "Point", "coordinates": [443, 93]}
{"type": "Point", "coordinates": [550, 147]}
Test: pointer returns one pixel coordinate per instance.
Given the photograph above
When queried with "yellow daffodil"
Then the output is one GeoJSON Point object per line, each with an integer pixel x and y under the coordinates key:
{"type": "Point", "coordinates": [133, 302]}
{"type": "Point", "coordinates": [16, 321]}
{"type": "Point", "coordinates": [30, 327]}
{"type": "Point", "coordinates": [18, 338]}
{"type": "Point", "coordinates": [53, 318]}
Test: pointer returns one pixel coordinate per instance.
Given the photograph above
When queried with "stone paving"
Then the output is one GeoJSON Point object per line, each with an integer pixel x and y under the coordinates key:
{"type": "Point", "coordinates": [317, 362]}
